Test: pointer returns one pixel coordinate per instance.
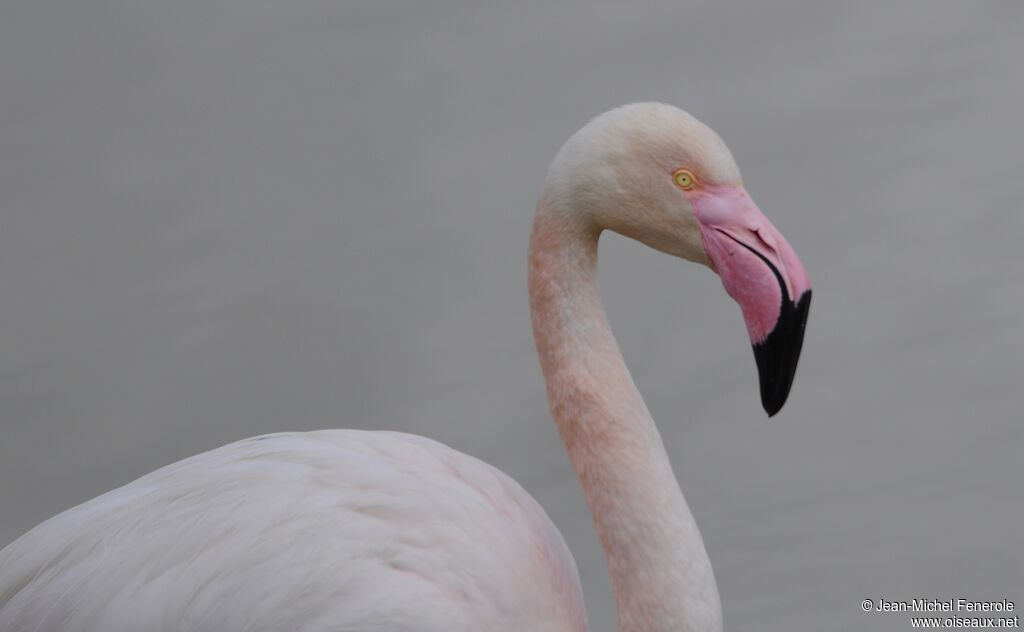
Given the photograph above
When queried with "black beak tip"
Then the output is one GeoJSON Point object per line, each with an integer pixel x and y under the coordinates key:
{"type": "Point", "coordinates": [772, 407]}
{"type": "Point", "coordinates": [777, 355]}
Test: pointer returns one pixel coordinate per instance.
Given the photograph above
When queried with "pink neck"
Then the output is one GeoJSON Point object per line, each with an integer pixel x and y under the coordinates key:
{"type": "Point", "coordinates": [659, 569]}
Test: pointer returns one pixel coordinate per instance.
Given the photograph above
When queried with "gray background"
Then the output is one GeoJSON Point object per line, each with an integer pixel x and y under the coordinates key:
{"type": "Point", "coordinates": [219, 219]}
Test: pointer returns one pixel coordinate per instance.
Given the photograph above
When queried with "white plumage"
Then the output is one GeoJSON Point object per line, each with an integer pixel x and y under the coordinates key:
{"type": "Point", "coordinates": [321, 531]}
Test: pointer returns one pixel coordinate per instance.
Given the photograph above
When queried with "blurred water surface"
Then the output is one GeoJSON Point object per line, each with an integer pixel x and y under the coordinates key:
{"type": "Point", "coordinates": [219, 219]}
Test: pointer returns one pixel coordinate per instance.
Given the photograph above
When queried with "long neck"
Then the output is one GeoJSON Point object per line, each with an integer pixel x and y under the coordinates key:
{"type": "Point", "coordinates": [658, 565]}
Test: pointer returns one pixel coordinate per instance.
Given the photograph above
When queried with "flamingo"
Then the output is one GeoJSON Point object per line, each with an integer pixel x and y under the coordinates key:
{"type": "Point", "coordinates": [343, 530]}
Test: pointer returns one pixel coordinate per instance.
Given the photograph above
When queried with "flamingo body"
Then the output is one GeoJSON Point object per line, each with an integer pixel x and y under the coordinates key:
{"type": "Point", "coordinates": [330, 531]}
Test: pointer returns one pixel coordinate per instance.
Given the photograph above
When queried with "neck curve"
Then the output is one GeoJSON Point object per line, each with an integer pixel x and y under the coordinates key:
{"type": "Point", "coordinates": [656, 559]}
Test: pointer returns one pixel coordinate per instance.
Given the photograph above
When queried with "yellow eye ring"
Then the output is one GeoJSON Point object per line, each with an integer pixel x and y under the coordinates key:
{"type": "Point", "coordinates": [684, 179]}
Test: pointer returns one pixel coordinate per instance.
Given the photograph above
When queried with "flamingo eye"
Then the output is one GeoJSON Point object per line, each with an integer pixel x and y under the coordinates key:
{"type": "Point", "coordinates": [684, 179]}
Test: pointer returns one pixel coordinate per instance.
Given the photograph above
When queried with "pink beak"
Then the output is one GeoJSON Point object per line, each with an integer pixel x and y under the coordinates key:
{"type": "Point", "coordinates": [762, 273]}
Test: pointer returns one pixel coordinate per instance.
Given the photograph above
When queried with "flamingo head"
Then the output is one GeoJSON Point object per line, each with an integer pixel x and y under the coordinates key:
{"type": "Point", "coordinates": [654, 173]}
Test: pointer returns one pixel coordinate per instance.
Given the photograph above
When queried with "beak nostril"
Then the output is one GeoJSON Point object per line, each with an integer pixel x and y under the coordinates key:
{"type": "Point", "coordinates": [766, 239]}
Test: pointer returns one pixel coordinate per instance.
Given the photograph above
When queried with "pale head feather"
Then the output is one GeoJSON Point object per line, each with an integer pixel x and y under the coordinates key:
{"type": "Point", "coordinates": [616, 173]}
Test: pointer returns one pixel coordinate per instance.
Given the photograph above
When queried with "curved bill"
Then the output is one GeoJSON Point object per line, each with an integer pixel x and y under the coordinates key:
{"type": "Point", "coordinates": [760, 270]}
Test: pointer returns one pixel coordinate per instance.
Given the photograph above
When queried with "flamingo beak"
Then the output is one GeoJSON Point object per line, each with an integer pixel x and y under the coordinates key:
{"type": "Point", "coordinates": [762, 273]}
